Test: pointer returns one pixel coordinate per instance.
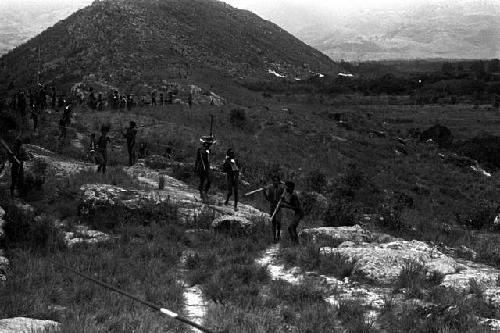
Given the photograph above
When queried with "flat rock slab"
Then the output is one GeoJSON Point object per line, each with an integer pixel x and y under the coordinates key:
{"type": "Point", "coordinates": [382, 263]}
{"type": "Point", "coordinates": [334, 236]}
{"type": "Point", "coordinates": [28, 325]}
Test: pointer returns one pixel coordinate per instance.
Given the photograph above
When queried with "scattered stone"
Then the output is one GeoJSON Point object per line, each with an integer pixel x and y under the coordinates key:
{"type": "Point", "coordinates": [28, 325]}
{"type": "Point", "coordinates": [382, 263]}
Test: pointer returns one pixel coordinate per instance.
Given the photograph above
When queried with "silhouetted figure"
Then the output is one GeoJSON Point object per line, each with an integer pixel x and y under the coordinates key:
{"type": "Point", "coordinates": [162, 99]}
{"type": "Point", "coordinates": [92, 100]}
{"type": "Point", "coordinates": [202, 167]}
{"type": "Point", "coordinates": [291, 201]}
{"type": "Point", "coordinates": [231, 167]}
{"type": "Point", "coordinates": [100, 102]}
{"type": "Point", "coordinates": [102, 150]}
{"type": "Point", "coordinates": [17, 158]}
{"type": "Point", "coordinates": [143, 152]}
{"type": "Point", "coordinates": [130, 135]}
{"type": "Point", "coordinates": [153, 98]}
{"type": "Point", "coordinates": [273, 193]}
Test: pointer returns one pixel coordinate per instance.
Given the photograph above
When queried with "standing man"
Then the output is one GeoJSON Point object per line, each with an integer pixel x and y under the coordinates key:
{"type": "Point", "coordinates": [273, 193]}
{"type": "Point", "coordinates": [290, 200]}
{"type": "Point", "coordinates": [17, 157]}
{"type": "Point", "coordinates": [130, 135]}
{"type": "Point", "coordinates": [232, 168]}
{"type": "Point", "coordinates": [202, 166]}
{"type": "Point", "coordinates": [34, 116]}
{"type": "Point", "coordinates": [102, 149]}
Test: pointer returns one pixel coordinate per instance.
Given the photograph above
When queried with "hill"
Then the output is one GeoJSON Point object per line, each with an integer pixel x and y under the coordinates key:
{"type": "Point", "coordinates": [128, 43]}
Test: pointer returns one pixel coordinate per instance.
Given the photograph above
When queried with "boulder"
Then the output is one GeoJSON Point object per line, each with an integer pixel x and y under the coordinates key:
{"type": "Point", "coordinates": [382, 263]}
{"type": "Point", "coordinates": [28, 325]}
{"type": "Point", "coordinates": [439, 134]}
{"type": "Point", "coordinates": [334, 236]}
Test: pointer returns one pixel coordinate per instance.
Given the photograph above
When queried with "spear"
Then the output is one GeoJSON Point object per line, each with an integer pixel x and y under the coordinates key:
{"type": "Point", "coordinates": [164, 311]}
{"type": "Point", "coordinates": [253, 192]}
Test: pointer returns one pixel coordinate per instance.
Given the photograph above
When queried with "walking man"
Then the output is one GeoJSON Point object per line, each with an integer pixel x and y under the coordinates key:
{"type": "Point", "coordinates": [232, 168]}
{"type": "Point", "coordinates": [202, 166]}
{"type": "Point", "coordinates": [273, 193]}
{"type": "Point", "coordinates": [130, 135]}
{"type": "Point", "coordinates": [290, 200]}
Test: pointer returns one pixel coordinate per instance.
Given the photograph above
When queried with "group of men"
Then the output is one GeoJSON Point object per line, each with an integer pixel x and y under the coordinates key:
{"type": "Point", "coordinates": [279, 195]}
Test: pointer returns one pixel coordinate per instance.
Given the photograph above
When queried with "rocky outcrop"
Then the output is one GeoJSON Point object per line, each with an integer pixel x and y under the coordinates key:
{"type": "Point", "coordinates": [382, 263]}
{"type": "Point", "coordinates": [98, 197]}
{"type": "Point", "coordinates": [334, 236]}
{"type": "Point", "coordinates": [28, 325]}
{"type": "Point", "coordinates": [331, 236]}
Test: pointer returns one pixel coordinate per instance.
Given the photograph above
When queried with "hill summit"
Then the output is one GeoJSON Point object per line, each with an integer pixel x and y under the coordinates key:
{"type": "Point", "coordinates": [129, 42]}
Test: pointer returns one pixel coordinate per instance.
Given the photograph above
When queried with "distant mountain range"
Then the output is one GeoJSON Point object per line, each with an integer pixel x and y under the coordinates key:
{"type": "Point", "coordinates": [125, 43]}
{"type": "Point", "coordinates": [458, 29]}
{"type": "Point", "coordinates": [21, 20]}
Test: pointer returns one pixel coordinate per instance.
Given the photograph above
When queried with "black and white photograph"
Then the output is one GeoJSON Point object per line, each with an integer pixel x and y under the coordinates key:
{"type": "Point", "coordinates": [250, 166]}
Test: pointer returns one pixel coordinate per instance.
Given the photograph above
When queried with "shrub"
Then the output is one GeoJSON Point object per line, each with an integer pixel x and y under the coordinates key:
{"type": "Point", "coordinates": [415, 278]}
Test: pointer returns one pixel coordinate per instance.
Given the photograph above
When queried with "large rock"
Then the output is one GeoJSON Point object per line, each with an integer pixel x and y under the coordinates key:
{"type": "Point", "coordinates": [28, 325]}
{"type": "Point", "coordinates": [382, 263]}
